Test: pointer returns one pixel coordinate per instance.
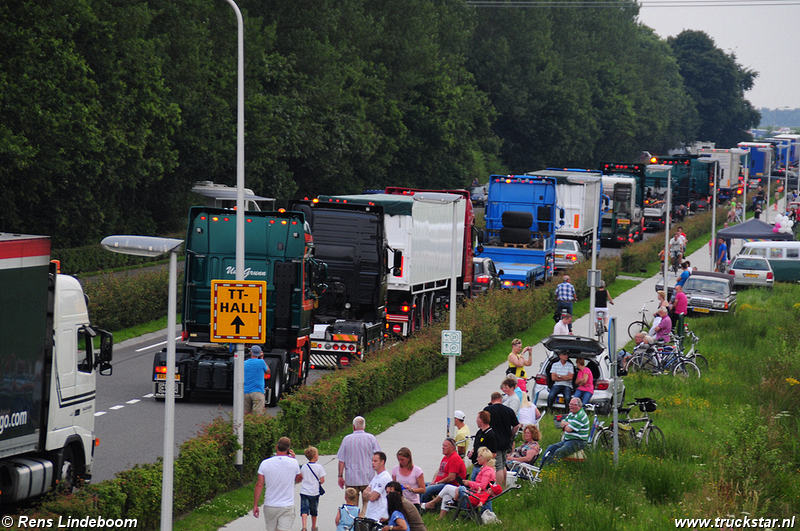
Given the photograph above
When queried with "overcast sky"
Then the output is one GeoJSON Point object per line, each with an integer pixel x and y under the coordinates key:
{"type": "Point", "coordinates": [753, 32]}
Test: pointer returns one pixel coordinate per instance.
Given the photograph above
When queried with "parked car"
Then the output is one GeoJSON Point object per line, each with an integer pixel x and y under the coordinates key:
{"type": "Point", "coordinates": [478, 195]}
{"type": "Point", "coordinates": [751, 271]}
{"type": "Point", "coordinates": [486, 275]}
{"type": "Point", "coordinates": [568, 253]}
{"type": "Point", "coordinates": [596, 356]}
{"type": "Point", "coordinates": [708, 292]}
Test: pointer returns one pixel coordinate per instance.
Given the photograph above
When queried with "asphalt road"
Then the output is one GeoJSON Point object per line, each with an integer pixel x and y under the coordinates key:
{"type": "Point", "coordinates": [130, 422]}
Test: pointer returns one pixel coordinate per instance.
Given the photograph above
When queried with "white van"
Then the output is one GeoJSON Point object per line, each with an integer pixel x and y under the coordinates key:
{"type": "Point", "coordinates": [783, 256]}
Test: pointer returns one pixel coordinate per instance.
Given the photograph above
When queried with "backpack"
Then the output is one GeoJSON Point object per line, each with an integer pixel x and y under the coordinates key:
{"type": "Point", "coordinates": [346, 519]}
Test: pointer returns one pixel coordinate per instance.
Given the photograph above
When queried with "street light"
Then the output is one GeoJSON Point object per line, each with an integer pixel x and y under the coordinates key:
{"type": "Point", "coordinates": [715, 161]}
{"type": "Point", "coordinates": [443, 198]}
{"type": "Point", "coordinates": [152, 246]}
{"type": "Point", "coordinates": [768, 171]}
{"type": "Point", "coordinates": [668, 169]}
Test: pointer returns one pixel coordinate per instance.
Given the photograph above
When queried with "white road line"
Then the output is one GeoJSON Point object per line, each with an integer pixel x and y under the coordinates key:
{"type": "Point", "coordinates": [148, 395]}
{"type": "Point", "coordinates": [116, 407]}
{"type": "Point", "coordinates": [155, 345]}
{"type": "Point", "coordinates": [99, 413]}
{"type": "Point", "coordinates": [132, 401]}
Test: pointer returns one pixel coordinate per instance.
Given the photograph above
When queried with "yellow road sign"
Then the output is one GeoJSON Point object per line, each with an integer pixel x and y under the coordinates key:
{"type": "Point", "coordinates": [238, 311]}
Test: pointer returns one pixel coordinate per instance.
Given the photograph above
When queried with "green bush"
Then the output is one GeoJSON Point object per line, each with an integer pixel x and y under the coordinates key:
{"type": "Point", "coordinates": [96, 258]}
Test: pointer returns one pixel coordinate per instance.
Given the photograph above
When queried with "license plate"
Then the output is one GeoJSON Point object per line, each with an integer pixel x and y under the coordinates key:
{"type": "Point", "coordinates": [624, 221]}
{"type": "Point", "coordinates": [560, 399]}
{"type": "Point", "coordinates": [700, 310]}
{"type": "Point", "coordinates": [161, 393]}
{"type": "Point", "coordinates": [164, 377]}
{"type": "Point", "coordinates": [751, 275]}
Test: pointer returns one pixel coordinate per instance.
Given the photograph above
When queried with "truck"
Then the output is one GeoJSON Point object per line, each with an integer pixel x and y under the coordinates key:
{"type": "Point", "coordinates": [521, 225]}
{"type": "Point", "coordinates": [279, 250]}
{"type": "Point", "coordinates": [51, 357]}
{"type": "Point", "coordinates": [728, 170]}
{"type": "Point", "coordinates": [420, 231]}
{"type": "Point", "coordinates": [691, 180]}
{"type": "Point", "coordinates": [350, 319]}
{"type": "Point", "coordinates": [623, 221]}
{"type": "Point", "coordinates": [581, 203]}
{"type": "Point", "coordinates": [759, 159]}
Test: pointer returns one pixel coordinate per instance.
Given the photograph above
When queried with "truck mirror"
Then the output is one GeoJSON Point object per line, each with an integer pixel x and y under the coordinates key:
{"type": "Point", "coordinates": [397, 268]}
{"type": "Point", "coordinates": [561, 214]}
{"type": "Point", "coordinates": [106, 369]}
{"type": "Point", "coordinates": [478, 250]}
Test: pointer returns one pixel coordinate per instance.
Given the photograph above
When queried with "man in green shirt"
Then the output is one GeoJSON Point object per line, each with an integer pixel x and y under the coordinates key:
{"type": "Point", "coordinates": [576, 434]}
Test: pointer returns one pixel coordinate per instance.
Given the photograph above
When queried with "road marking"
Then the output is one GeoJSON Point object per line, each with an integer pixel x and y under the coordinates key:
{"type": "Point", "coordinates": [99, 413]}
{"type": "Point", "coordinates": [116, 407]}
{"type": "Point", "coordinates": [155, 345]}
{"type": "Point", "coordinates": [132, 401]}
{"type": "Point", "coordinates": [148, 395]}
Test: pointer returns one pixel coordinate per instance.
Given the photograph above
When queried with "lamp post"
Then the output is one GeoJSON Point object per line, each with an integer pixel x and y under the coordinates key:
{"type": "Point", "coordinates": [443, 198]}
{"type": "Point", "coordinates": [768, 170]}
{"type": "Point", "coordinates": [668, 169]}
{"type": "Point", "coordinates": [715, 162]}
{"type": "Point", "coordinates": [739, 152]}
{"type": "Point", "coordinates": [152, 246]}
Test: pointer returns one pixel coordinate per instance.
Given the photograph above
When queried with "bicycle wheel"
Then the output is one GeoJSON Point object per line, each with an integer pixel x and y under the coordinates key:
{"type": "Point", "coordinates": [700, 361]}
{"type": "Point", "coordinates": [686, 369]}
{"type": "Point", "coordinates": [604, 440]}
{"type": "Point", "coordinates": [654, 438]}
{"type": "Point", "coordinates": [636, 327]}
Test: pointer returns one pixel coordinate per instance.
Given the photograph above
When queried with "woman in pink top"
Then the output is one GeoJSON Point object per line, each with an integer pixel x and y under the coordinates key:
{"type": "Point", "coordinates": [584, 382]}
{"type": "Point", "coordinates": [409, 476]}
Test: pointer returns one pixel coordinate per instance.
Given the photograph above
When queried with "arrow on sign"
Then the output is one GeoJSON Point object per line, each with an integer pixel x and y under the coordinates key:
{"type": "Point", "coordinates": [238, 323]}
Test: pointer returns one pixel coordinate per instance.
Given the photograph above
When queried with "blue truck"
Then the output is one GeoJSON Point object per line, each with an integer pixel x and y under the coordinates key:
{"type": "Point", "coordinates": [521, 225]}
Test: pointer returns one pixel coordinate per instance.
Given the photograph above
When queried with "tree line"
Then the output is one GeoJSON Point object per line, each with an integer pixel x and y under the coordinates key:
{"type": "Point", "coordinates": [112, 109]}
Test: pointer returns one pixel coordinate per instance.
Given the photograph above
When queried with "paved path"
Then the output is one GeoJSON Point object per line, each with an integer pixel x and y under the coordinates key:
{"type": "Point", "coordinates": [424, 431]}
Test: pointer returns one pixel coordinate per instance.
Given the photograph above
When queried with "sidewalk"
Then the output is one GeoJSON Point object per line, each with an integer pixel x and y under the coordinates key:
{"type": "Point", "coordinates": [424, 431]}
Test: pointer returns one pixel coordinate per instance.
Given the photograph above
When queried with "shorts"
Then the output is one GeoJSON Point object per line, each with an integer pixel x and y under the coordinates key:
{"type": "Point", "coordinates": [309, 504]}
{"type": "Point", "coordinates": [279, 518]}
{"type": "Point", "coordinates": [500, 460]}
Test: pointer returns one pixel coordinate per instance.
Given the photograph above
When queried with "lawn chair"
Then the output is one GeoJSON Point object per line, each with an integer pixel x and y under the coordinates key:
{"type": "Point", "coordinates": [526, 471]}
{"type": "Point", "coordinates": [473, 512]}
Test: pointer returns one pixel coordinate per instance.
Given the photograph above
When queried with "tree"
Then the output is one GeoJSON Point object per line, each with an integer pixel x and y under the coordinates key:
{"type": "Point", "coordinates": [717, 83]}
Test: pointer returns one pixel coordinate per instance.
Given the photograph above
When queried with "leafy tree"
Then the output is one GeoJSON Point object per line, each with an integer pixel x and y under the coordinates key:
{"type": "Point", "coordinates": [717, 84]}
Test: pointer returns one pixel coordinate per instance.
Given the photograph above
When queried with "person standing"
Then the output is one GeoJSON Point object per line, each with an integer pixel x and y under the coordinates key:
{"type": "Point", "coordinates": [375, 493]}
{"type": "Point", "coordinates": [516, 360]}
{"type": "Point", "coordinates": [504, 423]}
{"type": "Point", "coordinates": [355, 458]}
{"type": "Point", "coordinates": [680, 307]}
{"type": "Point", "coordinates": [313, 478]}
{"type": "Point", "coordinates": [276, 478]}
{"type": "Point", "coordinates": [565, 296]}
{"type": "Point", "coordinates": [722, 255]}
{"type": "Point", "coordinates": [564, 326]}
{"type": "Point", "coordinates": [483, 438]}
{"type": "Point", "coordinates": [462, 433]}
{"type": "Point", "coordinates": [255, 371]}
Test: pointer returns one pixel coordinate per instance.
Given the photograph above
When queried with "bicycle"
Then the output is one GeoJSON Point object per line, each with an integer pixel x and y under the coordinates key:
{"type": "Point", "coordinates": [660, 360]}
{"type": "Point", "coordinates": [600, 324]}
{"type": "Point", "coordinates": [650, 435]}
{"type": "Point", "coordinates": [674, 261]}
{"type": "Point", "coordinates": [693, 354]}
{"type": "Point", "coordinates": [642, 325]}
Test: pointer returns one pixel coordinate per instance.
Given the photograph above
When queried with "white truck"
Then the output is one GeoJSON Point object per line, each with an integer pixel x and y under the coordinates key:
{"type": "Point", "coordinates": [48, 368]}
{"type": "Point", "coordinates": [579, 206]}
{"type": "Point", "coordinates": [419, 232]}
{"type": "Point", "coordinates": [728, 170]}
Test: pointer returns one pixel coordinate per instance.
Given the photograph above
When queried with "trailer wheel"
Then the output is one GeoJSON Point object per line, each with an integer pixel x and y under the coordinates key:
{"type": "Point", "coordinates": [275, 379]}
{"type": "Point", "coordinates": [514, 219]}
{"type": "Point", "coordinates": [515, 235]}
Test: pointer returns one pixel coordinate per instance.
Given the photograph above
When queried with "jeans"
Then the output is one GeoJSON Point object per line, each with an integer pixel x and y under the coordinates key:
{"type": "Point", "coordinates": [561, 449]}
{"type": "Point", "coordinates": [561, 307]}
{"type": "Point", "coordinates": [475, 470]}
{"type": "Point", "coordinates": [585, 396]}
{"type": "Point", "coordinates": [431, 491]}
{"type": "Point", "coordinates": [559, 390]}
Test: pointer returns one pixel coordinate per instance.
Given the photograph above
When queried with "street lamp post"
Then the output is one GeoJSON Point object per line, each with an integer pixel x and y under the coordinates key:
{"type": "Point", "coordinates": [715, 161]}
{"type": "Point", "coordinates": [768, 170]}
{"type": "Point", "coordinates": [775, 116]}
{"type": "Point", "coordinates": [441, 198]}
{"type": "Point", "coordinates": [151, 246]}
{"type": "Point", "coordinates": [668, 169]}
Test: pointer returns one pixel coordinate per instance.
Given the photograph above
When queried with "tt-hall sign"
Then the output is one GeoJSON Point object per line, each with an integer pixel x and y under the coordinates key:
{"type": "Point", "coordinates": [238, 311]}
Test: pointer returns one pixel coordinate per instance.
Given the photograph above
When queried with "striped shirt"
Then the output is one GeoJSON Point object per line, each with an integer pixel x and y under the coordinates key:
{"type": "Point", "coordinates": [356, 452]}
{"type": "Point", "coordinates": [579, 422]}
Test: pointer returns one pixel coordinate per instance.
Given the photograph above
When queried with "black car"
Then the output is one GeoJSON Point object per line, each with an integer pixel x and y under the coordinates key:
{"type": "Point", "coordinates": [478, 195]}
{"type": "Point", "coordinates": [708, 292]}
{"type": "Point", "coordinates": [486, 276]}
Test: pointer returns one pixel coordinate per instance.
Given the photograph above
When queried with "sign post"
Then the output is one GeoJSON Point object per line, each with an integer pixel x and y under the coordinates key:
{"type": "Point", "coordinates": [238, 310]}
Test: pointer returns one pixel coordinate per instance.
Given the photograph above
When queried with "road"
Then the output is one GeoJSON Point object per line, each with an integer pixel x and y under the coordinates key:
{"type": "Point", "coordinates": [130, 422]}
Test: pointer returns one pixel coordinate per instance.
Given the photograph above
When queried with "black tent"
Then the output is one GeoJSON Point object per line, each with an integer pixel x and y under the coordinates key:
{"type": "Point", "coordinates": [754, 229]}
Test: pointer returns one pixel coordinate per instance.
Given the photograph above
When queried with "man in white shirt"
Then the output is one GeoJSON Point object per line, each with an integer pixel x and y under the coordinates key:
{"type": "Point", "coordinates": [562, 327]}
{"type": "Point", "coordinates": [375, 493]}
{"type": "Point", "coordinates": [562, 373]}
{"type": "Point", "coordinates": [463, 433]}
{"type": "Point", "coordinates": [277, 477]}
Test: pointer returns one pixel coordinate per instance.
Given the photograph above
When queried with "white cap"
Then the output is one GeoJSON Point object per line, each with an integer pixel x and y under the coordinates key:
{"type": "Point", "coordinates": [459, 414]}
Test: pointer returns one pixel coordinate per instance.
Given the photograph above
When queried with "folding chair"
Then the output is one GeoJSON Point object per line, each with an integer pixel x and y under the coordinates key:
{"type": "Point", "coordinates": [473, 512]}
{"type": "Point", "coordinates": [525, 471]}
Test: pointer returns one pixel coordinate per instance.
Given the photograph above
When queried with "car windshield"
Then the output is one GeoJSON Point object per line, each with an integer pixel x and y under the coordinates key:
{"type": "Point", "coordinates": [750, 263]}
{"type": "Point", "coordinates": [565, 245]}
{"type": "Point", "coordinates": [713, 286]}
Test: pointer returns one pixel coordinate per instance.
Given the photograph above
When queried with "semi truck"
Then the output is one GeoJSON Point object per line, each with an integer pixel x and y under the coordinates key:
{"type": "Point", "coordinates": [727, 172]}
{"type": "Point", "coordinates": [279, 250]}
{"type": "Point", "coordinates": [691, 180]}
{"type": "Point", "coordinates": [51, 356]}
{"type": "Point", "coordinates": [521, 225]}
{"type": "Point", "coordinates": [420, 229]}
{"type": "Point", "coordinates": [350, 319]}
{"type": "Point", "coordinates": [581, 202]}
{"type": "Point", "coordinates": [623, 221]}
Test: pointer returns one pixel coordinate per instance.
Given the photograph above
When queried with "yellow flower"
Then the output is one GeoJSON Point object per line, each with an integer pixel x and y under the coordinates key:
{"type": "Point", "coordinates": [792, 381]}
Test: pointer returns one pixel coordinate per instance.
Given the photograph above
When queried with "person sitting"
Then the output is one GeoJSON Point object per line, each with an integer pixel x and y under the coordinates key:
{"type": "Point", "coordinates": [584, 382]}
{"type": "Point", "coordinates": [398, 521]}
{"type": "Point", "coordinates": [561, 373]}
{"type": "Point", "coordinates": [664, 327]}
{"type": "Point", "coordinates": [528, 451]}
{"type": "Point", "coordinates": [528, 412]}
{"type": "Point", "coordinates": [576, 434]}
{"type": "Point", "coordinates": [450, 494]}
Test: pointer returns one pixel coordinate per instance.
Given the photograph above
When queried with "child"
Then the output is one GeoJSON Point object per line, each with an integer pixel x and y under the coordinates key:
{"type": "Point", "coordinates": [348, 512]}
{"type": "Point", "coordinates": [313, 477]}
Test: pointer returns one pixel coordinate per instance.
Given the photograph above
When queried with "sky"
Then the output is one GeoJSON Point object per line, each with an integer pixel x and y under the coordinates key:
{"type": "Point", "coordinates": [752, 29]}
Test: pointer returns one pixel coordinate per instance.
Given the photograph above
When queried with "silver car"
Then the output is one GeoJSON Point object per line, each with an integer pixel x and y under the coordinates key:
{"type": "Point", "coordinates": [751, 270]}
{"type": "Point", "coordinates": [567, 254]}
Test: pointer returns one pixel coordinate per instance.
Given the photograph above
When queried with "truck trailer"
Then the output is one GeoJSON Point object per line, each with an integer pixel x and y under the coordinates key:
{"type": "Point", "coordinates": [420, 230]}
{"type": "Point", "coordinates": [581, 203]}
{"type": "Point", "coordinates": [278, 249]}
{"type": "Point", "coordinates": [623, 183]}
{"type": "Point", "coordinates": [727, 172]}
{"type": "Point", "coordinates": [50, 362]}
{"type": "Point", "coordinates": [350, 320]}
{"type": "Point", "coordinates": [521, 227]}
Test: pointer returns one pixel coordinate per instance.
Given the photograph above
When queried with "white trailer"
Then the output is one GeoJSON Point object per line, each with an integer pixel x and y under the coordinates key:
{"type": "Point", "coordinates": [579, 208]}
{"type": "Point", "coordinates": [728, 171]}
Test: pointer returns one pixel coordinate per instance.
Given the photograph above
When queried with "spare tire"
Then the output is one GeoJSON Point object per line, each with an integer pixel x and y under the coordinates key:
{"type": "Point", "coordinates": [515, 235]}
{"type": "Point", "coordinates": [517, 220]}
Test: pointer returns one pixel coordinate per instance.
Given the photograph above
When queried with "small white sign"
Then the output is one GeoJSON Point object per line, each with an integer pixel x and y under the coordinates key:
{"type": "Point", "coordinates": [451, 342]}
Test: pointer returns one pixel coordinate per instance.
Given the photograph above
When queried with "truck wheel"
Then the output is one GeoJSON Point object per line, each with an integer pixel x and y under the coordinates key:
{"type": "Point", "coordinates": [68, 477]}
{"type": "Point", "coordinates": [515, 235]}
{"type": "Point", "coordinates": [517, 220]}
{"type": "Point", "coordinates": [276, 381]}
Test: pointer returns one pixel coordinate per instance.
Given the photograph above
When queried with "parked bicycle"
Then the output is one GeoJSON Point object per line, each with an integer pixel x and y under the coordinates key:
{"type": "Point", "coordinates": [648, 435]}
{"type": "Point", "coordinates": [662, 359]}
{"type": "Point", "coordinates": [642, 325]}
{"type": "Point", "coordinates": [692, 354]}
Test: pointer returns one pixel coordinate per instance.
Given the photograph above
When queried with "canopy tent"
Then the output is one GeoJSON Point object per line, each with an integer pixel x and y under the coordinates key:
{"type": "Point", "coordinates": [754, 229]}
